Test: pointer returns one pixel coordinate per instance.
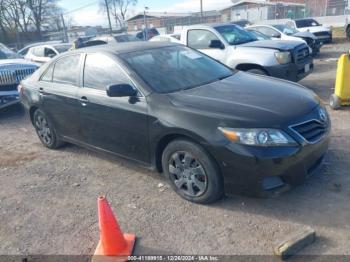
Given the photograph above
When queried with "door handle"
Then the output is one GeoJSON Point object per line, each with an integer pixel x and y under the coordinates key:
{"type": "Point", "coordinates": [83, 100]}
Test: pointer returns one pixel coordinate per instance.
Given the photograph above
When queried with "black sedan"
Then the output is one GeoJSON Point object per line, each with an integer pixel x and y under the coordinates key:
{"type": "Point", "coordinates": [209, 129]}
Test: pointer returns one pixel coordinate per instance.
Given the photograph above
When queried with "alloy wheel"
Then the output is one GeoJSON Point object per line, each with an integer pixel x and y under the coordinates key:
{"type": "Point", "coordinates": [43, 129]}
{"type": "Point", "coordinates": [187, 174]}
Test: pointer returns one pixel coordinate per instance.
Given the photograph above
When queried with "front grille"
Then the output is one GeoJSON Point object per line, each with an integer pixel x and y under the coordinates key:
{"type": "Point", "coordinates": [302, 54]}
{"type": "Point", "coordinates": [312, 131]}
{"type": "Point", "coordinates": [11, 87]}
{"type": "Point", "coordinates": [321, 34]}
{"type": "Point", "coordinates": [10, 77]}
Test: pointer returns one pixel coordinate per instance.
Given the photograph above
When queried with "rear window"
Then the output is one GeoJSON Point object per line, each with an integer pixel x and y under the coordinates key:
{"type": "Point", "coordinates": [126, 38]}
{"type": "Point", "coordinates": [67, 70]}
{"type": "Point", "coordinates": [62, 48]}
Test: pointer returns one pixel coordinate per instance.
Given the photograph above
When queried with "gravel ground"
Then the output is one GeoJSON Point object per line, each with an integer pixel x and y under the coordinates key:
{"type": "Point", "coordinates": [48, 198]}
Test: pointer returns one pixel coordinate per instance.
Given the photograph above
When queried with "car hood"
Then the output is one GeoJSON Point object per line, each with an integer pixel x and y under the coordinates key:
{"type": "Point", "coordinates": [281, 45]}
{"type": "Point", "coordinates": [305, 34]}
{"type": "Point", "coordinates": [16, 62]}
{"type": "Point", "coordinates": [314, 29]}
{"type": "Point", "coordinates": [249, 98]}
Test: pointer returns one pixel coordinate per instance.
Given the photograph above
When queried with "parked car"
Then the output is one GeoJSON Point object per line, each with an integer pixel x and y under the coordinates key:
{"type": "Point", "coordinates": [174, 38]}
{"type": "Point", "coordinates": [322, 33]}
{"type": "Point", "coordinates": [284, 32]}
{"type": "Point", "coordinates": [347, 26]}
{"type": "Point", "coordinates": [242, 23]}
{"type": "Point", "coordinates": [239, 49]}
{"type": "Point", "coordinates": [210, 129]}
{"type": "Point", "coordinates": [25, 49]}
{"type": "Point", "coordinates": [13, 69]}
{"type": "Point", "coordinates": [148, 33]}
{"type": "Point", "coordinates": [103, 40]}
{"type": "Point", "coordinates": [44, 53]}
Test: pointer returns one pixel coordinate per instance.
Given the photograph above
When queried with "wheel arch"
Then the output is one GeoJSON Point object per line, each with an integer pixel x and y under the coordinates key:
{"type": "Point", "coordinates": [169, 137]}
{"type": "Point", "coordinates": [31, 112]}
{"type": "Point", "coordinates": [248, 66]}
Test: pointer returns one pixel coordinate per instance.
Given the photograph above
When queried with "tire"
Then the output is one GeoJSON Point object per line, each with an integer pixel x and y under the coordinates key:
{"type": "Point", "coordinates": [45, 130]}
{"type": "Point", "coordinates": [334, 102]}
{"type": "Point", "coordinates": [257, 71]}
{"type": "Point", "coordinates": [192, 173]}
{"type": "Point", "coordinates": [348, 32]}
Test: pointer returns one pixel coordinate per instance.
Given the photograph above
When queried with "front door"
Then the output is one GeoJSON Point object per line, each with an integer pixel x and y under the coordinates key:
{"type": "Point", "coordinates": [200, 39]}
{"type": "Point", "coordinates": [115, 124]}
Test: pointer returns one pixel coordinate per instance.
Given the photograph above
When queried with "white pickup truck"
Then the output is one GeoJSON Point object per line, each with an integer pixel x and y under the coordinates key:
{"type": "Point", "coordinates": [239, 49]}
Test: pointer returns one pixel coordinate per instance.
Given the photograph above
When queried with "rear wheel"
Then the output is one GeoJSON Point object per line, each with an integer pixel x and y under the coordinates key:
{"type": "Point", "coordinates": [334, 102]}
{"type": "Point", "coordinates": [192, 173]}
{"type": "Point", "coordinates": [257, 71]}
{"type": "Point", "coordinates": [45, 130]}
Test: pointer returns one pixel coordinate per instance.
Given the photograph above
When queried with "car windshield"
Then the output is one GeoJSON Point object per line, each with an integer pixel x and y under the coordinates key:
{"type": "Point", "coordinates": [285, 29]}
{"type": "Point", "coordinates": [126, 38]}
{"type": "Point", "coordinates": [306, 23]}
{"type": "Point", "coordinates": [171, 69]}
{"type": "Point", "coordinates": [235, 35]}
{"type": "Point", "coordinates": [7, 53]}
{"type": "Point", "coordinates": [62, 48]}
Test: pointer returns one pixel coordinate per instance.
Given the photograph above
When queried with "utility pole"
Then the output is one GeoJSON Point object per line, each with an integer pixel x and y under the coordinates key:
{"type": "Point", "coordinates": [64, 29]}
{"type": "Point", "coordinates": [201, 1]}
{"type": "Point", "coordinates": [145, 33]}
{"type": "Point", "coordinates": [109, 18]}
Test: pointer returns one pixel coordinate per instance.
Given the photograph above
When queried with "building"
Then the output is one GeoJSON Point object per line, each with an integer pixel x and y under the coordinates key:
{"type": "Point", "coordinates": [255, 10]}
{"type": "Point", "coordinates": [326, 7]}
{"type": "Point", "coordinates": [167, 21]}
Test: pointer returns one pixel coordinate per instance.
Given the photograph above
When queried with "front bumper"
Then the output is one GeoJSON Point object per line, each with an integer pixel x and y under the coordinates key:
{"type": "Point", "coordinates": [292, 72]}
{"type": "Point", "coordinates": [9, 98]}
{"type": "Point", "coordinates": [260, 171]}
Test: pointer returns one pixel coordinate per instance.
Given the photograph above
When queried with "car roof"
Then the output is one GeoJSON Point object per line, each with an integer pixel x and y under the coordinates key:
{"type": "Point", "coordinates": [303, 19]}
{"type": "Point", "coordinates": [210, 25]}
{"type": "Point", "coordinates": [120, 48]}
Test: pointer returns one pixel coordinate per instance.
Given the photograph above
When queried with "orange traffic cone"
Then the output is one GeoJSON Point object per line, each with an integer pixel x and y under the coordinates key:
{"type": "Point", "coordinates": [112, 241]}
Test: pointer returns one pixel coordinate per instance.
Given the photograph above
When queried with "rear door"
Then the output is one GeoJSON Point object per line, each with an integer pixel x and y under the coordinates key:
{"type": "Point", "coordinates": [115, 124]}
{"type": "Point", "coordinates": [58, 87]}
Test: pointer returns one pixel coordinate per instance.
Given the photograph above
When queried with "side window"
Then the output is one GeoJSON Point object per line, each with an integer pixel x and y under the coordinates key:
{"type": "Point", "coordinates": [200, 39]}
{"type": "Point", "coordinates": [268, 31]}
{"type": "Point", "coordinates": [49, 52]}
{"type": "Point", "coordinates": [38, 51]}
{"type": "Point", "coordinates": [47, 76]}
{"type": "Point", "coordinates": [101, 71]}
{"type": "Point", "coordinates": [67, 70]}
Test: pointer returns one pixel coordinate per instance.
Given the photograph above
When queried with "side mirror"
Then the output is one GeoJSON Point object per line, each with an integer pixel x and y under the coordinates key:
{"type": "Point", "coordinates": [216, 44]}
{"type": "Point", "coordinates": [121, 90]}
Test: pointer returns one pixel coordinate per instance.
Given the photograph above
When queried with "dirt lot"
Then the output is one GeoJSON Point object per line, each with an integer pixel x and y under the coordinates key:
{"type": "Point", "coordinates": [48, 198]}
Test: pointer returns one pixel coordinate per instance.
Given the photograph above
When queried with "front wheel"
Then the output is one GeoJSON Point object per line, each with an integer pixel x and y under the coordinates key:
{"type": "Point", "coordinates": [334, 102]}
{"type": "Point", "coordinates": [192, 173]}
{"type": "Point", "coordinates": [45, 130]}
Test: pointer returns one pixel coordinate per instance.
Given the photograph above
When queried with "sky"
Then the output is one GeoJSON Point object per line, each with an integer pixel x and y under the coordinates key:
{"type": "Point", "coordinates": [92, 15]}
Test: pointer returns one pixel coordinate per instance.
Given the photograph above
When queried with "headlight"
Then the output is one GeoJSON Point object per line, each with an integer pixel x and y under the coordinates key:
{"type": "Point", "coordinates": [283, 57]}
{"type": "Point", "coordinates": [258, 137]}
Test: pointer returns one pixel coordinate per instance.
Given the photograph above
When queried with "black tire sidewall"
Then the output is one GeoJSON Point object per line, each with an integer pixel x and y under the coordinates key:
{"type": "Point", "coordinates": [215, 189]}
{"type": "Point", "coordinates": [55, 143]}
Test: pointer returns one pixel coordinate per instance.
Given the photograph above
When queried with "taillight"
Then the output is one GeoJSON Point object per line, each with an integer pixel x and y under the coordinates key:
{"type": "Point", "coordinates": [20, 89]}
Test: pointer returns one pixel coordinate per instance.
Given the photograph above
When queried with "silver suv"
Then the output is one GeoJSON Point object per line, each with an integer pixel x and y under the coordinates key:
{"type": "Point", "coordinates": [13, 69]}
